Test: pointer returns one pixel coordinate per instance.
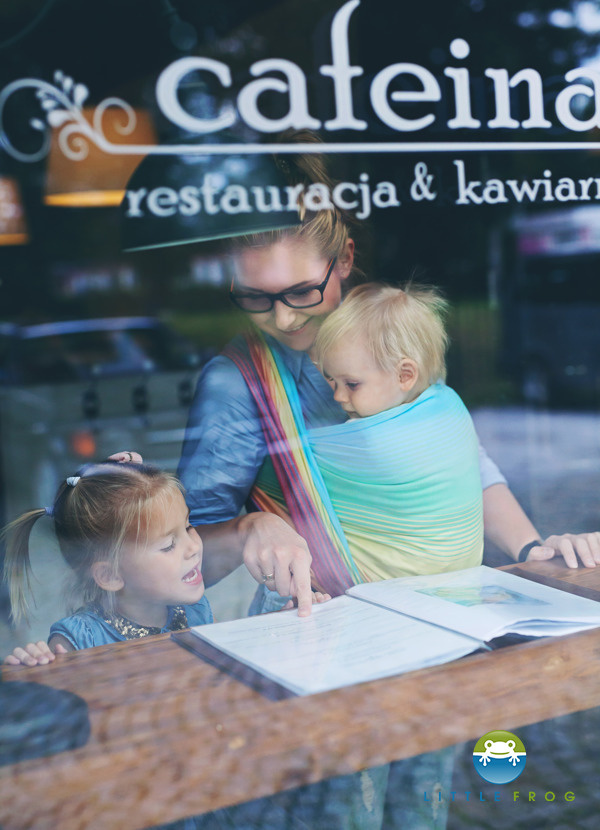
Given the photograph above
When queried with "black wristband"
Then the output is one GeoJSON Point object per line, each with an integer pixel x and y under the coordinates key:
{"type": "Point", "coordinates": [524, 552]}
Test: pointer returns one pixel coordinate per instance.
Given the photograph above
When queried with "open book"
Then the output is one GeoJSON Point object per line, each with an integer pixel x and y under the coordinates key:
{"type": "Point", "coordinates": [385, 628]}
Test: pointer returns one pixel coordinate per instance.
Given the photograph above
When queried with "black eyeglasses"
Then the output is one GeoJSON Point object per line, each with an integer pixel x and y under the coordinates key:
{"type": "Point", "coordinates": [305, 297]}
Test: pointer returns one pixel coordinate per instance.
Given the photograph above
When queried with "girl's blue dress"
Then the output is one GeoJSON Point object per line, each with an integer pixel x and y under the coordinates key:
{"type": "Point", "coordinates": [92, 626]}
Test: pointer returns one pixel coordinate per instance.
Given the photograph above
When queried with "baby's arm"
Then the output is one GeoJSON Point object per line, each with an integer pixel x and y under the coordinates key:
{"type": "Point", "coordinates": [40, 653]}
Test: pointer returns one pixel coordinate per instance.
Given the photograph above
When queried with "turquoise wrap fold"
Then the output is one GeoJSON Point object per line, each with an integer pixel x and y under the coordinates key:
{"type": "Point", "coordinates": [405, 486]}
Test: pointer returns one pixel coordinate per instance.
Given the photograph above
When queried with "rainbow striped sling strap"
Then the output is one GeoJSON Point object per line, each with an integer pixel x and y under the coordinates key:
{"type": "Point", "coordinates": [276, 396]}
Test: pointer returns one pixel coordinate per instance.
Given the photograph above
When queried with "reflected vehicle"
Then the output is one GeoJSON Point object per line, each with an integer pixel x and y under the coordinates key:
{"type": "Point", "coordinates": [551, 306]}
{"type": "Point", "coordinates": [76, 391]}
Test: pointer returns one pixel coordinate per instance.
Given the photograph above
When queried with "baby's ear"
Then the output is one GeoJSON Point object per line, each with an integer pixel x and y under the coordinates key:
{"type": "Point", "coordinates": [105, 577]}
{"type": "Point", "coordinates": [408, 374]}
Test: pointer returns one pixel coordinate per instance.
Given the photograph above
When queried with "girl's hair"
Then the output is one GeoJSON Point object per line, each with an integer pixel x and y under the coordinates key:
{"type": "Point", "coordinates": [328, 229]}
{"type": "Point", "coordinates": [396, 323]}
{"type": "Point", "coordinates": [95, 514]}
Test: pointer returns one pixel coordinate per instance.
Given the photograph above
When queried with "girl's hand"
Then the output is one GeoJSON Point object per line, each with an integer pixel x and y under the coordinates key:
{"type": "Point", "coordinates": [126, 455]}
{"type": "Point", "coordinates": [34, 654]}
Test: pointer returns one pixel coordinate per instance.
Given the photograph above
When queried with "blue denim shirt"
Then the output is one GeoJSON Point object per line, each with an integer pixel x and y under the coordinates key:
{"type": "Point", "coordinates": [224, 445]}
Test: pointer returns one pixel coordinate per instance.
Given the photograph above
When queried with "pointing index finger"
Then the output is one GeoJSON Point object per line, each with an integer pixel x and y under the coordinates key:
{"type": "Point", "coordinates": [302, 589]}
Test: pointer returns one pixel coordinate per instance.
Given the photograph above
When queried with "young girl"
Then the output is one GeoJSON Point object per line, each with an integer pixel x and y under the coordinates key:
{"type": "Point", "coordinates": [123, 529]}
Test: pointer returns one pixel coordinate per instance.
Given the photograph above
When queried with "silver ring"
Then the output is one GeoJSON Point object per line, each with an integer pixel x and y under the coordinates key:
{"type": "Point", "coordinates": [267, 577]}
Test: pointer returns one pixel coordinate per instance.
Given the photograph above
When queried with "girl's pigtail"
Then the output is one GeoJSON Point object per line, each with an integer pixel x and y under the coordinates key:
{"type": "Point", "coordinates": [17, 565]}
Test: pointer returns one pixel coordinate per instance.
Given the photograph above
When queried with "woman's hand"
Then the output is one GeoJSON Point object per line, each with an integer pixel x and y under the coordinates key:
{"type": "Point", "coordinates": [278, 557]}
{"type": "Point", "coordinates": [34, 654]}
{"type": "Point", "coordinates": [506, 525]}
{"type": "Point", "coordinates": [586, 546]}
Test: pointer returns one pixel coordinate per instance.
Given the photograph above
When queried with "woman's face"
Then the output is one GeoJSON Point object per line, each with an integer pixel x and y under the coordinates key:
{"type": "Point", "coordinates": [284, 266]}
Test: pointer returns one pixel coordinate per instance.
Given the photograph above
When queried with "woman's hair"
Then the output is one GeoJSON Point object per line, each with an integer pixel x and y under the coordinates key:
{"type": "Point", "coordinates": [396, 323]}
{"type": "Point", "coordinates": [95, 514]}
{"type": "Point", "coordinates": [327, 230]}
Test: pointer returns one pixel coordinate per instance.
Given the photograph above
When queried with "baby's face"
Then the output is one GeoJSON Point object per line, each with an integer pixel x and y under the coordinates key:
{"type": "Point", "coordinates": [359, 384]}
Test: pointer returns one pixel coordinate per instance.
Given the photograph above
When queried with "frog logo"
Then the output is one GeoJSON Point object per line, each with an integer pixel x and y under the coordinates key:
{"type": "Point", "coordinates": [499, 757]}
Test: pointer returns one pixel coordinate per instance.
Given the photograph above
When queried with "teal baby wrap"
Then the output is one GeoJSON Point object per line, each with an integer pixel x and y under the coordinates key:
{"type": "Point", "coordinates": [405, 486]}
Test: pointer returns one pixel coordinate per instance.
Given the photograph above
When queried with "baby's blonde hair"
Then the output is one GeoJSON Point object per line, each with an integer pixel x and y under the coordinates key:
{"type": "Point", "coordinates": [396, 323]}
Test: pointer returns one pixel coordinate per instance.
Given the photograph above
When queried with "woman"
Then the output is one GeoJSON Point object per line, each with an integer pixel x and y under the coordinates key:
{"type": "Point", "coordinates": [225, 448]}
{"type": "Point", "coordinates": [288, 281]}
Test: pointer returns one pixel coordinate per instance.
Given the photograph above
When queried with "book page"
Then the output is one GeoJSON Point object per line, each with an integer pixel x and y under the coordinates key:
{"type": "Point", "coordinates": [484, 602]}
{"type": "Point", "coordinates": [342, 642]}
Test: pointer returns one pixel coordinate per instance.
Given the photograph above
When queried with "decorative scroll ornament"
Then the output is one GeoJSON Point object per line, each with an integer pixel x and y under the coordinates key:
{"type": "Point", "coordinates": [62, 106]}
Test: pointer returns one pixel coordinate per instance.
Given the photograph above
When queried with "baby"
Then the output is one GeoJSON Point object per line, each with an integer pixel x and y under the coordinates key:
{"type": "Point", "coordinates": [403, 472]}
{"type": "Point", "coordinates": [383, 347]}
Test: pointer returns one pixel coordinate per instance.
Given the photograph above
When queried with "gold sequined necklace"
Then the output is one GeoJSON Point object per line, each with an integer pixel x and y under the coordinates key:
{"type": "Point", "coordinates": [133, 631]}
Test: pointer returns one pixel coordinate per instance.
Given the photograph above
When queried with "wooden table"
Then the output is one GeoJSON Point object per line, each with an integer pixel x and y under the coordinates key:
{"type": "Point", "coordinates": [173, 736]}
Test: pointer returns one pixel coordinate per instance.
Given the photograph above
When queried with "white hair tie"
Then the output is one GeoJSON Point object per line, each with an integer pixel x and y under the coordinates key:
{"type": "Point", "coordinates": [72, 480]}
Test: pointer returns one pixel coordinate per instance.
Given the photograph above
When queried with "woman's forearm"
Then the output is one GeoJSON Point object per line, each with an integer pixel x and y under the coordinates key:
{"type": "Point", "coordinates": [223, 546]}
{"type": "Point", "coordinates": [505, 522]}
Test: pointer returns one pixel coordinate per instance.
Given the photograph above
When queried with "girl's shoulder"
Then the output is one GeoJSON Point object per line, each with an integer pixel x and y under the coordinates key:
{"type": "Point", "coordinates": [86, 628]}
